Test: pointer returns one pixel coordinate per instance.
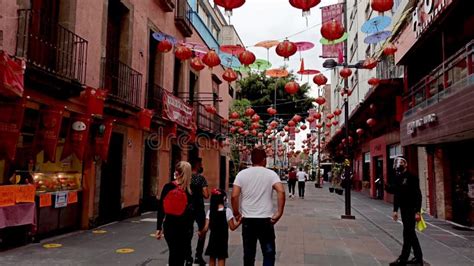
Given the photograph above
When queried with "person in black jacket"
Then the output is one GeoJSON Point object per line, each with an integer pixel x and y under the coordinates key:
{"type": "Point", "coordinates": [407, 198]}
{"type": "Point", "coordinates": [177, 230]}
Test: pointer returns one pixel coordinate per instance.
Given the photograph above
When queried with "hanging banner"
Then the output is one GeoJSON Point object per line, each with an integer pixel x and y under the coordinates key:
{"type": "Point", "coordinates": [11, 76]}
{"type": "Point", "coordinates": [311, 112]}
{"type": "Point", "coordinates": [144, 119]}
{"type": "Point", "coordinates": [77, 136]}
{"type": "Point", "coordinates": [48, 135]}
{"type": "Point", "coordinates": [176, 110]}
{"type": "Point", "coordinates": [102, 139]}
{"type": "Point", "coordinates": [95, 99]}
{"type": "Point", "coordinates": [11, 119]}
{"type": "Point", "coordinates": [329, 13]}
{"type": "Point", "coordinates": [292, 133]}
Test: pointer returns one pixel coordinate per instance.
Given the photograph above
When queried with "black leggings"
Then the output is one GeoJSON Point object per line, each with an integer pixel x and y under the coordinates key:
{"type": "Point", "coordinates": [178, 237]}
{"type": "Point", "coordinates": [301, 185]}
{"type": "Point", "coordinates": [291, 186]}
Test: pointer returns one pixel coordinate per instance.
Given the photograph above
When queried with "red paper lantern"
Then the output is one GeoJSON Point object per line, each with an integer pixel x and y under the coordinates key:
{"type": "Point", "coordinates": [249, 111]}
{"type": "Point", "coordinates": [271, 111]}
{"type": "Point", "coordinates": [228, 5]}
{"type": "Point", "coordinates": [234, 115]}
{"type": "Point", "coordinates": [296, 118]}
{"type": "Point", "coordinates": [292, 87]}
{"type": "Point", "coordinates": [253, 132]}
{"type": "Point", "coordinates": [291, 123]}
{"type": "Point", "coordinates": [330, 116]}
{"type": "Point", "coordinates": [320, 101]}
{"type": "Point", "coordinates": [246, 58]}
{"type": "Point", "coordinates": [274, 124]}
{"type": "Point", "coordinates": [305, 5]}
{"type": "Point", "coordinates": [335, 123]}
{"type": "Point", "coordinates": [144, 118]}
{"type": "Point", "coordinates": [317, 115]}
{"type": "Point", "coordinates": [303, 127]}
{"type": "Point", "coordinates": [329, 125]}
{"type": "Point", "coordinates": [211, 59]}
{"type": "Point", "coordinates": [210, 109]}
{"type": "Point", "coordinates": [164, 46]}
{"type": "Point", "coordinates": [229, 75]}
{"type": "Point", "coordinates": [360, 131]}
{"type": "Point", "coordinates": [224, 121]}
{"type": "Point", "coordinates": [338, 131]}
{"type": "Point", "coordinates": [282, 133]}
{"type": "Point", "coordinates": [320, 79]}
{"type": "Point", "coordinates": [238, 123]}
{"type": "Point", "coordinates": [371, 122]}
{"type": "Point", "coordinates": [310, 119]}
{"type": "Point", "coordinates": [382, 5]}
{"type": "Point", "coordinates": [233, 129]}
{"type": "Point", "coordinates": [286, 49]}
{"type": "Point", "coordinates": [183, 53]}
{"type": "Point", "coordinates": [260, 135]}
{"type": "Point", "coordinates": [268, 131]}
{"type": "Point", "coordinates": [390, 49]}
{"type": "Point", "coordinates": [369, 63]}
{"type": "Point", "coordinates": [319, 125]}
{"type": "Point", "coordinates": [246, 132]}
{"type": "Point", "coordinates": [373, 82]}
{"type": "Point", "coordinates": [255, 125]}
{"type": "Point", "coordinates": [286, 128]}
{"type": "Point", "coordinates": [345, 72]}
{"type": "Point", "coordinates": [332, 30]}
{"type": "Point", "coordinates": [255, 118]}
{"type": "Point", "coordinates": [196, 63]}
{"type": "Point", "coordinates": [337, 112]}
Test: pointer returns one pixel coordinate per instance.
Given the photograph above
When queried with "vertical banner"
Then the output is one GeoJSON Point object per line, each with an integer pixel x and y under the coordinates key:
{"type": "Point", "coordinates": [95, 99]}
{"type": "Point", "coordinates": [311, 113]}
{"type": "Point", "coordinates": [292, 133]}
{"type": "Point", "coordinates": [77, 136]}
{"type": "Point", "coordinates": [102, 139]}
{"type": "Point", "coordinates": [329, 13]}
{"type": "Point", "coordinates": [11, 76]}
{"type": "Point", "coordinates": [11, 120]}
{"type": "Point", "coordinates": [48, 135]}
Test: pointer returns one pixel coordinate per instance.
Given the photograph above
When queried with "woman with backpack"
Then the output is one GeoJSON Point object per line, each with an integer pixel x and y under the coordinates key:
{"type": "Point", "coordinates": [175, 209]}
{"type": "Point", "coordinates": [219, 219]}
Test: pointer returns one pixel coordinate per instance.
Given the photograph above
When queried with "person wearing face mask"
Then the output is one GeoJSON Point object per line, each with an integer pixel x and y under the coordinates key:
{"type": "Point", "coordinates": [407, 198]}
{"type": "Point", "coordinates": [200, 191]}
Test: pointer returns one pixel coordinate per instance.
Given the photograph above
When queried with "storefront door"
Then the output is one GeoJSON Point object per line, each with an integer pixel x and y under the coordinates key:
{"type": "Point", "coordinates": [111, 182]}
{"type": "Point", "coordinates": [379, 178]}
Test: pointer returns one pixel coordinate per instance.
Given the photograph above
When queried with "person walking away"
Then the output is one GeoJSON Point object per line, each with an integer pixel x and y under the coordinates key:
{"type": "Point", "coordinates": [175, 216]}
{"type": "Point", "coordinates": [200, 191]}
{"type": "Point", "coordinates": [219, 219]}
{"type": "Point", "coordinates": [252, 200]}
{"type": "Point", "coordinates": [292, 182]}
{"type": "Point", "coordinates": [407, 198]}
{"type": "Point", "coordinates": [302, 176]}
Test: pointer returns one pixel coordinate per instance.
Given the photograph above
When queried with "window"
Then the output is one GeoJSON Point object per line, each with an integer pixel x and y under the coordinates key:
{"type": "Point", "coordinates": [394, 151]}
{"type": "Point", "coordinates": [366, 171]}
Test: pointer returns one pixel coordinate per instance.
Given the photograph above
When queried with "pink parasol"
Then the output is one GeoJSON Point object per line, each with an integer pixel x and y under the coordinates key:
{"type": "Point", "coordinates": [308, 72]}
{"type": "Point", "coordinates": [232, 49]}
{"type": "Point", "coordinates": [267, 44]}
{"type": "Point", "coordinates": [277, 73]}
{"type": "Point", "coordinates": [194, 45]}
{"type": "Point", "coordinates": [304, 46]}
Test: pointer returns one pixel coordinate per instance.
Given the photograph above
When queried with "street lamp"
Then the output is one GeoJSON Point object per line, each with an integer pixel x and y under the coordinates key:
{"type": "Point", "coordinates": [331, 63]}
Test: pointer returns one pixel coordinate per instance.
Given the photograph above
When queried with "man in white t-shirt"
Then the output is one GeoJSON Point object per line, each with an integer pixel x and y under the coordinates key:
{"type": "Point", "coordinates": [302, 176]}
{"type": "Point", "coordinates": [252, 200]}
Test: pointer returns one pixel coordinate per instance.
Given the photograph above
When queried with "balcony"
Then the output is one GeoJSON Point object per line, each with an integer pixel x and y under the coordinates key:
{"type": "Point", "coordinates": [208, 122]}
{"type": "Point", "coordinates": [155, 98]}
{"type": "Point", "coordinates": [56, 57]}
{"type": "Point", "coordinates": [123, 83]}
{"type": "Point", "coordinates": [167, 5]}
{"type": "Point", "coordinates": [183, 18]}
{"type": "Point", "coordinates": [386, 69]}
{"type": "Point", "coordinates": [454, 75]}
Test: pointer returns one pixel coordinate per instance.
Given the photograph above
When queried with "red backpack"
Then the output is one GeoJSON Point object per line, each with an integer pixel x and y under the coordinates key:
{"type": "Point", "coordinates": [176, 201]}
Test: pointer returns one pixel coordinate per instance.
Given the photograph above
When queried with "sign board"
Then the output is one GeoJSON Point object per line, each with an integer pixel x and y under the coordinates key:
{"type": "Point", "coordinates": [25, 193]}
{"type": "Point", "coordinates": [176, 110]}
{"type": "Point", "coordinates": [61, 199]}
{"type": "Point", "coordinates": [421, 123]}
{"type": "Point", "coordinates": [45, 200]}
{"type": "Point", "coordinates": [426, 13]}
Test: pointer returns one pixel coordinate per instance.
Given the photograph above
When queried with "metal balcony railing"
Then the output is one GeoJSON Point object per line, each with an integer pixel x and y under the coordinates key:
{"type": "Point", "coordinates": [123, 83]}
{"type": "Point", "coordinates": [50, 47]}
{"type": "Point", "coordinates": [206, 121]}
{"type": "Point", "coordinates": [453, 75]}
{"type": "Point", "coordinates": [183, 17]}
{"type": "Point", "coordinates": [154, 98]}
{"type": "Point", "coordinates": [386, 69]}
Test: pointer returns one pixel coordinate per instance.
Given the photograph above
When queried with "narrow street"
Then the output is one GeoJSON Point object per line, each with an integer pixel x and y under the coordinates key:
{"type": "Point", "coordinates": [310, 233]}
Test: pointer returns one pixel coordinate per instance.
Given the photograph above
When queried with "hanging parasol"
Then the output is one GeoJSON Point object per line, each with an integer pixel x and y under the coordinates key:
{"type": "Point", "coordinates": [376, 24]}
{"type": "Point", "coordinates": [232, 49]}
{"type": "Point", "coordinates": [304, 46]}
{"type": "Point", "coordinates": [229, 60]}
{"type": "Point", "coordinates": [308, 72]}
{"type": "Point", "coordinates": [242, 69]}
{"type": "Point", "coordinates": [159, 36]}
{"type": "Point", "coordinates": [377, 37]}
{"type": "Point", "coordinates": [261, 64]}
{"type": "Point", "coordinates": [325, 41]}
{"type": "Point", "coordinates": [267, 45]}
{"type": "Point", "coordinates": [195, 45]}
{"type": "Point", "coordinates": [277, 73]}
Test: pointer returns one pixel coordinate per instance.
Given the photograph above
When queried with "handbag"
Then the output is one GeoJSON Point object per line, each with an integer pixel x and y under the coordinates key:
{"type": "Point", "coordinates": [421, 224]}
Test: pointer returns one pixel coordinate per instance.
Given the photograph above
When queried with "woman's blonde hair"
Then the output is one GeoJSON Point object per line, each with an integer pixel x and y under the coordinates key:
{"type": "Point", "coordinates": [183, 177]}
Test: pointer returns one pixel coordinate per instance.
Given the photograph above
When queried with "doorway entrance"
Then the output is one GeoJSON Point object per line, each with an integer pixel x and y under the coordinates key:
{"type": "Point", "coordinates": [379, 178]}
{"type": "Point", "coordinates": [111, 182]}
{"type": "Point", "coordinates": [150, 177]}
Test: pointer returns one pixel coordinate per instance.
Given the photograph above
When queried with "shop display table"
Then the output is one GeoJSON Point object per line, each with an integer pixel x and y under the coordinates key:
{"type": "Point", "coordinates": [19, 214]}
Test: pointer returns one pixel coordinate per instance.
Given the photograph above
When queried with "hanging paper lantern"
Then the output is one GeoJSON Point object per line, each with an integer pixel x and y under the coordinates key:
{"type": "Point", "coordinates": [296, 118]}
{"type": "Point", "coordinates": [233, 129]}
{"type": "Point", "coordinates": [246, 58]}
{"type": "Point", "coordinates": [338, 131]}
{"type": "Point", "coordinates": [369, 63]}
{"type": "Point", "coordinates": [335, 123]}
{"type": "Point", "coordinates": [373, 82]}
{"type": "Point", "coordinates": [390, 49]}
{"type": "Point", "coordinates": [246, 132]}
{"type": "Point", "coordinates": [292, 87]}
{"type": "Point", "coordinates": [211, 59]}
{"type": "Point", "coordinates": [210, 109]}
{"type": "Point", "coordinates": [274, 124]}
{"type": "Point", "coordinates": [271, 111]}
{"type": "Point", "coordinates": [291, 123]}
{"type": "Point", "coordinates": [234, 115]}
{"type": "Point", "coordinates": [241, 130]}
{"type": "Point", "coordinates": [255, 118]}
{"type": "Point", "coordinates": [320, 79]}
{"type": "Point", "coordinates": [229, 75]}
{"type": "Point", "coordinates": [360, 131]}
{"type": "Point", "coordinates": [318, 125]}
{"type": "Point", "coordinates": [345, 72]}
{"type": "Point", "coordinates": [337, 112]}
{"type": "Point", "coordinates": [310, 119]}
{"type": "Point", "coordinates": [183, 53]}
{"type": "Point", "coordinates": [382, 5]}
{"type": "Point", "coordinates": [329, 125]}
{"type": "Point", "coordinates": [253, 132]}
{"type": "Point", "coordinates": [303, 127]}
{"type": "Point", "coordinates": [268, 131]}
{"type": "Point", "coordinates": [332, 30]}
{"type": "Point", "coordinates": [305, 5]}
{"type": "Point", "coordinates": [238, 123]}
{"type": "Point", "coordinates": [164, 46]}
{"type": "Point", "coordinates": [228, 5]}
{"type": "Point", "coordinates": [260, 135]}
{"type": "Point", "coordinates": [371, 122]}
{"type": "Point", "coordinates": [330, 116]}
{"type": "Point", "coordinates": [282, 134]}
{"type": "Point", "coordinates": [196, 63]}
{"type": "Point", "coordinates": [317, 116]}
{"type": "Point", "coordinates": [249, 111]}
{"type": "Point", "coordinates": [286, 128]}
{"type": "Point", "coordinates": [286, 49]}
{"type": "Point", "coordinates": [320, 101]}
{"type": "Point", "coordinates": [224, 121]}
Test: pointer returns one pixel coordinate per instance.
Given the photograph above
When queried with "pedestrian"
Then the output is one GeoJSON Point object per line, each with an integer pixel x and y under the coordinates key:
{"type": "Point", "coordinates": [175, 216]}
{"type": "Point", "coordinates": [302, 176]}
{"type": "Point", "coordinates": [200, 191]}
{"type": "Point", "coordinates": [252, 200]}
{"type": "Point", "coordinates": [292, 182]}
{"type": "Point", "coordinates": [219, 219]}
{"type": "Point", "coordinates": [407, 198]}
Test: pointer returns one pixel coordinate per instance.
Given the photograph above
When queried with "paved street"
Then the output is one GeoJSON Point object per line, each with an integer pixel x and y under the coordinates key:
{"type": "Point", "coordinates": [310, 233]}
